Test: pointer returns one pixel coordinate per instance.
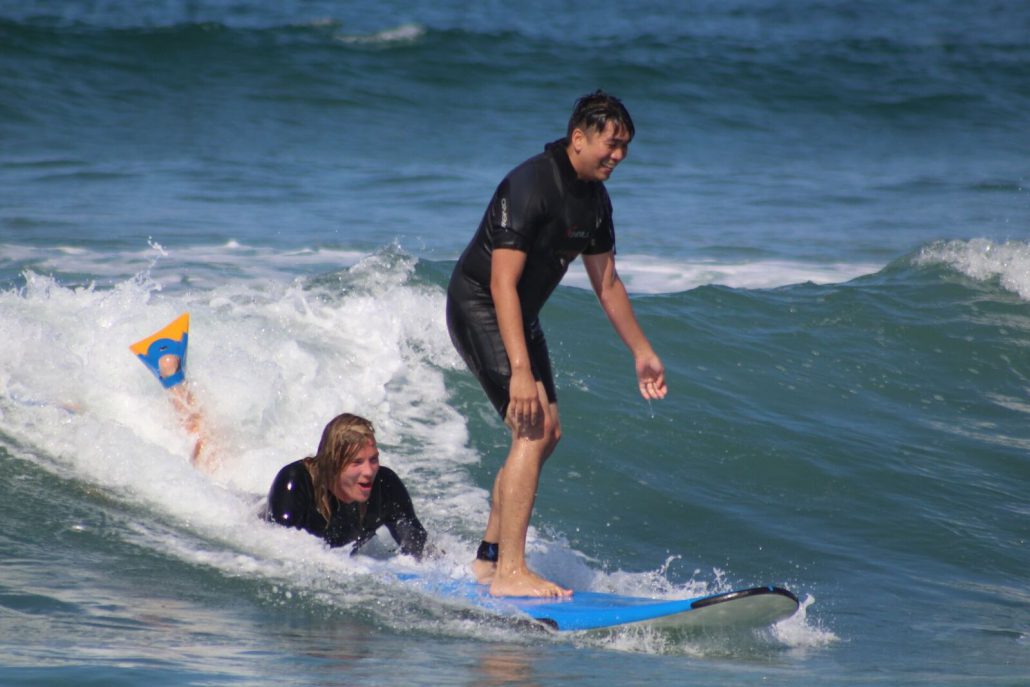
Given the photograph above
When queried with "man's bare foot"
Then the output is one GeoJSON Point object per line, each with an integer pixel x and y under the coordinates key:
{"type": "Point", "coordinates": [526, 583]}
{"type": "Point", "coordinates": [483, 571]}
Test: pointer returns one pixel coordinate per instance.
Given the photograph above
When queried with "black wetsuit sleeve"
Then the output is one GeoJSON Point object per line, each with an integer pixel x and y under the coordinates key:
{"type": "Point", "coordinates": [399, 515]}
{"type": "Point", "coordinates": [291, 500]}
{"type": "Point", "coordinates": [518, 208]}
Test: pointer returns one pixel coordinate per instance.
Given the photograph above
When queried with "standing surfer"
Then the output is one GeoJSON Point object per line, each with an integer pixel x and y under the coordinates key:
{"type": "Point", "coordinates": [546, 212]}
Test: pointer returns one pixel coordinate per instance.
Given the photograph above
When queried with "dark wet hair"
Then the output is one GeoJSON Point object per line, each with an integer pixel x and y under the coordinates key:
{"type": "Point", "coordinates": [594, 111]}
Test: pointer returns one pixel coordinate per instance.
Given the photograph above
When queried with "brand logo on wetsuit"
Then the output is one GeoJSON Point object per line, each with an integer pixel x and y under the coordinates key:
{"type": "Point", "coordinates": [574, 232]}
{"type": "Point", "coordinates": [504, 212]}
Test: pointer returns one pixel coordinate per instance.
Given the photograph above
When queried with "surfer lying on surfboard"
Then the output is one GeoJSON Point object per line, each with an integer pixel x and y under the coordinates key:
{"type": "Point", "coordinates": [341, 494]}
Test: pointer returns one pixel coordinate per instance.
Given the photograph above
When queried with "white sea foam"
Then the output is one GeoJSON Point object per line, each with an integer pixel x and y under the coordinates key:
{"type": "Point", "coordinates": [211, 266]}
{"type": "Point", "coordinates": [405, 33]}
{"type": "Point", "coordinates": [271, 360]}
{"type": "Point", "coordinates": [799, 632]}
{"type": "Point", "coordinates": [649, 274]}
{"type": "Point", "coordinates": [984, 260]}
{"type": "Point", "coordinates": [196, 266]}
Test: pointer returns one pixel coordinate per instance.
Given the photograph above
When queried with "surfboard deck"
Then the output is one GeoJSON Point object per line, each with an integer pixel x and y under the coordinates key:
{"type": "Point", "coordinates": [172, 339]}
{"type": "Point", "coordinates": [754, 607]}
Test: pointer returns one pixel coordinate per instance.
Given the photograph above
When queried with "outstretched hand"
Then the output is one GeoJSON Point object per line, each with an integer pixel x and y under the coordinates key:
{"type": "Point", "coordinates": [651, 376]}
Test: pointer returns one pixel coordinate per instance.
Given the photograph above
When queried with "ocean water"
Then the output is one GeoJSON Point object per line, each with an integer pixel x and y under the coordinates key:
{"type": "Point", "coordinates": [825, 225]}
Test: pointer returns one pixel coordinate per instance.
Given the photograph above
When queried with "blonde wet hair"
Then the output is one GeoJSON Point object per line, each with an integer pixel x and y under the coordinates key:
{"type": "Point", "coordinates": [342, 439]}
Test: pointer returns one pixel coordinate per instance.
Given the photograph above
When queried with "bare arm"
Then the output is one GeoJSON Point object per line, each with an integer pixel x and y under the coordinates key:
{"type": "Point", "coordinates": [506, 268]}
{"type": "Point", "coordinates": [611, 293]}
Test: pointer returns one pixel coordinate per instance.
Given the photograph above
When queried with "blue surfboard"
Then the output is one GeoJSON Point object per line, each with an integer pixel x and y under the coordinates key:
{"type": "Point", "coordinates": [754, 607]}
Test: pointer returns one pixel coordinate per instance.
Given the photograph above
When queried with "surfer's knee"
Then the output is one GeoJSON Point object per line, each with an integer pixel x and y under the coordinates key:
{"type": "Point", "coordinates": [552, 432]}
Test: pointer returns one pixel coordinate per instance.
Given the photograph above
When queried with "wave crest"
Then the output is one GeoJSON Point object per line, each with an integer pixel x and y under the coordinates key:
{"type": "Point", "coordinates": [984, 260]}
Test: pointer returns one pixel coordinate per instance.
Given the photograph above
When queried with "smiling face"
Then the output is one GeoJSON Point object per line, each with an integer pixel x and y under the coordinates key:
{"type": "Point", "coordinates": [354, 482]}
{"type": "Point", "coordinates": [594, 154]}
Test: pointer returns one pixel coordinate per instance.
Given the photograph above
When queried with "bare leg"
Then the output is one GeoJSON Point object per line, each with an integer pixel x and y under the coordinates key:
{"type": "Point", "coordinates": [484, 570]}
{"type": "Point", "coordinates": [515, 493]}
{"type": "Point", "coordinates": [189, 413]}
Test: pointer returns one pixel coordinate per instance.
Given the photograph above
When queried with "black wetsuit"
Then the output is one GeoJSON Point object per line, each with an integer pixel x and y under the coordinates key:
{"type": "Point", "coordinates": [291, 502]}
{"type": "Point", "coordinates": [544, 210]}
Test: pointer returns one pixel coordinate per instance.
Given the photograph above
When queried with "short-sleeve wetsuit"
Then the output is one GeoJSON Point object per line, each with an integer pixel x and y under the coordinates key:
{"type": "Point", "coordinates": [544, 210]}
{"type": "Point", "coordinates": [292, 502]}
